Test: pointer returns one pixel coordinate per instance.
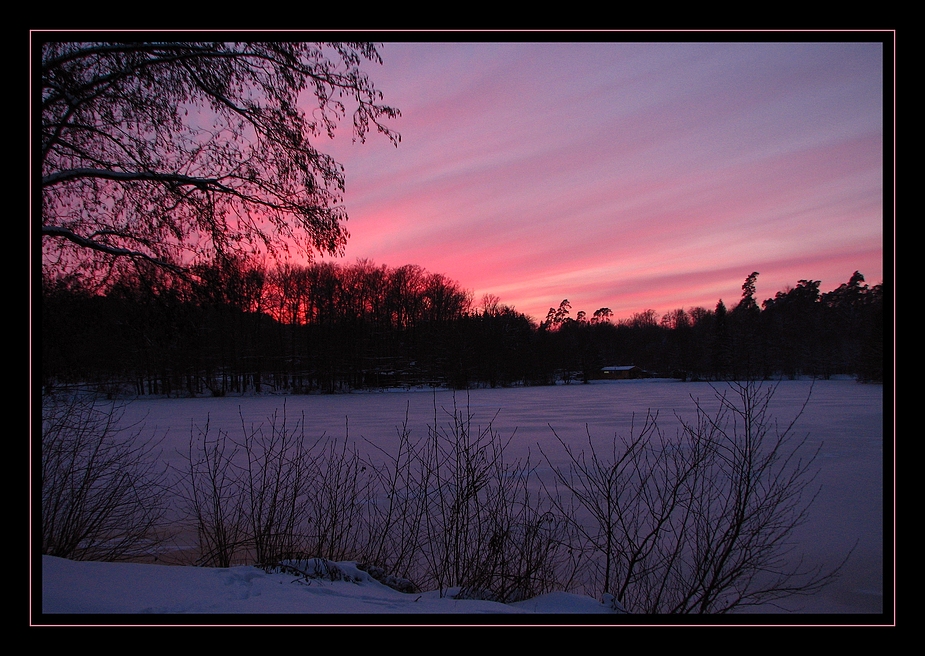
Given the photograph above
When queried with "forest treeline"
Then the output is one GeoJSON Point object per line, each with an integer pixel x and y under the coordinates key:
{"type": "Point", "coordinates": [245, 327]}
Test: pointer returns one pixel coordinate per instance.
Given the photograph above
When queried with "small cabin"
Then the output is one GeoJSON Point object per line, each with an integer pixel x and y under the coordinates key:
{"type": "Point", "coordinates": [623, 372]}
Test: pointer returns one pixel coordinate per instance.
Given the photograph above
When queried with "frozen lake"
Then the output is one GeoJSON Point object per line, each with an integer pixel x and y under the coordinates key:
{"type": "Point", "coordinates": [846, 417]}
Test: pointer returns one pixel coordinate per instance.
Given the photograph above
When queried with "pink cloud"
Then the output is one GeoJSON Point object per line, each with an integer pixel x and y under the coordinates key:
{"type": "Point", "coordinates": [628, 176]}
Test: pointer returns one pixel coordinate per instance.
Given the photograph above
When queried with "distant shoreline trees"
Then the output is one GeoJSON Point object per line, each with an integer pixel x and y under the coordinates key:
{"type": "Point", "coordinates": [323, 327]}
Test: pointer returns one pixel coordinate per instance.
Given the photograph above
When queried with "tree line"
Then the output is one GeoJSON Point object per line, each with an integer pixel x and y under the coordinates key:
{"type": "Point", "coordinates": [241, 326]}
{"type": "Point", "coordinates": [798, 332]}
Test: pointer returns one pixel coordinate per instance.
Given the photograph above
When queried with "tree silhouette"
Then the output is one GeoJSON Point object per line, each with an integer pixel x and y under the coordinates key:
{"type": "Point", "coordinates": [178, 152]}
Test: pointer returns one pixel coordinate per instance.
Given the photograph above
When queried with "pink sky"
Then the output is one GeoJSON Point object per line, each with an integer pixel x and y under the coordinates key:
{"type": "Point", "coordinates": [624, 175]}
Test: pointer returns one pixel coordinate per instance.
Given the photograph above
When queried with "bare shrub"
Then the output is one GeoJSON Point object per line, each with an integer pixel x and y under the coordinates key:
{"type": "Point", "coordinates": [482, 528]}
{"type": "Point", "coordinates": [276, 485]}
{"type": "Point", "coordinates": [702, 523]}
{"type": "Point", "coordinates": [214, 497]}
{"type": "Point", "coordinates": [397, 514]}
{"type": "Point", "coordinates": [459, 463]}
{"type": "Point", "coordinates": [310, 569]}
{"type": "Point", "coordinates": [339, 501]}
{"type": "Point", "coordinates": [451, 513]}
{"type": "Point", "coordinates": [103, 489]}
{"type": "Point", "coordinates": [271, 496]}
{"type": "Point", "coordinates": [518, 540]}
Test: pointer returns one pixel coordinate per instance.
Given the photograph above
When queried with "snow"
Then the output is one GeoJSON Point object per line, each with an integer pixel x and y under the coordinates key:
{"type": "Point", "coordinates": [71, 587]}
{"type": "Point", "coordinates": [843, 415]}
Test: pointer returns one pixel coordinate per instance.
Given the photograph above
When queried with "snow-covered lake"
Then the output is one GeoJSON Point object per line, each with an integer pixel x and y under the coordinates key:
{"type": "Point", "coordinates": [846, 417]}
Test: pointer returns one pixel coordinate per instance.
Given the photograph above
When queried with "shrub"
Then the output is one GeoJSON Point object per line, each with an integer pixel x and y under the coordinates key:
{"type": "Point", "coordinates": [213, 496]}
{"type": "Point", "coordinates": [271, 496]}
{"type": "Point", "coordinates": [103, 489]}
{"type": "Point", "coordinates": [701, 523]}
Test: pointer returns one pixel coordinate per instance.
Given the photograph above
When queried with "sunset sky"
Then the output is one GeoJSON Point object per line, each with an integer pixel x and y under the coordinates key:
{"type": "Point", "coordinates": [626, 175]}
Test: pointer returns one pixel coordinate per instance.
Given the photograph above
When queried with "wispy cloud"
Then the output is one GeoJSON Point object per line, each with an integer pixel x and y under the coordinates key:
{"type": "Point", "coordinates": [625, 175]}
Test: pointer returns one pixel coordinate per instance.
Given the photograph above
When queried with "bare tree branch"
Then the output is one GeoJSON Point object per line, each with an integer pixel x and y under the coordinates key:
{"type": "Point", "coordinates": [178, 152]}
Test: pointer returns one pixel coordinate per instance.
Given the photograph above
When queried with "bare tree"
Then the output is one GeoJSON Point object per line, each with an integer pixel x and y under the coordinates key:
{"type": "Point", "coordinates": [172, 152]}
{"type": "Point", "coordinates": [699, 523]}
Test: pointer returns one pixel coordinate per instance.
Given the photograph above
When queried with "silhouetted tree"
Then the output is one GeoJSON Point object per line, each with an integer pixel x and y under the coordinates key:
{"type": "Point", "coordinates": [702, 321]}
{"type": "Point", "coordinates": [747, 302]}
{"type": "Point", "coordinates": [793, 327]}
{"type": "Point", "coordinates": [720, 352]}
{"type": "Point", "coordinates": [602, 315]}
{"type": "Point", "coordinates": [679, 343]}
{"type": "Point", "coordinates": [855, 311]}
{"type": "Point", "coordinates": [869, 365]}
{"type": "Point", "coordinates": [172, 152]}
{"type": "Point", "coordinates": [746, 347]}
{"type": "Point", "coordinates": [557, 316]}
